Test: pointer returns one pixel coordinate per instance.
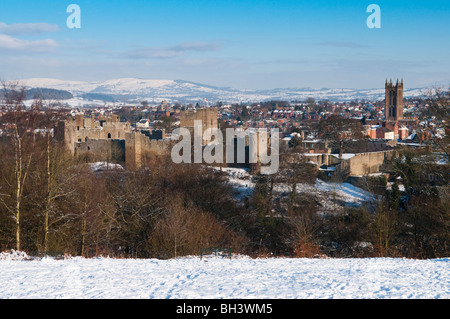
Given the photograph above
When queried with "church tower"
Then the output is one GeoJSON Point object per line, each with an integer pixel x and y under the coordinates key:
{"type": "Point", "coordinates": [394, 101]}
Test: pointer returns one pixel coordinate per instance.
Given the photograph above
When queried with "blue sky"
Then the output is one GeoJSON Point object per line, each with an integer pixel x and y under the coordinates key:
{"type": "Point", "coordinates": [243, 44]}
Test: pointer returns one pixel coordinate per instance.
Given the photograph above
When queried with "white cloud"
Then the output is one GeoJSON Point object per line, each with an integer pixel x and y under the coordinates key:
{"type": "Point", "coordinates": [173, 51]}
{"type": "Point", "coordinates": [10, 43]}
{"type": "Point", "coordinates": [27, 28]}
{"type": "Point", "coordinates": [197, 46]}
{"type": "Point", "coordinates": [343, 44]}
{"type": "Point", "coordinates": [154, 53]}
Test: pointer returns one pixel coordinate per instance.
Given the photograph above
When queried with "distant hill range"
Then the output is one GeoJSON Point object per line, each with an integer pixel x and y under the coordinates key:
{"type": "Point", "coordinates": [137, 90]}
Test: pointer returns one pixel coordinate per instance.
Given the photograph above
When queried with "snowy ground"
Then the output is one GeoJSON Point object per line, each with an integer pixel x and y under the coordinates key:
{"type": "Point", "coordinates": [329, 195]}
{"type": "Point", "coordinates": [212, 278]}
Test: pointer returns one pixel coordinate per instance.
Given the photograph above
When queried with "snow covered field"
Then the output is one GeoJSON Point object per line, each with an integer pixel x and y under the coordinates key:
{"type": "Point", "coordinates": [213, 278]}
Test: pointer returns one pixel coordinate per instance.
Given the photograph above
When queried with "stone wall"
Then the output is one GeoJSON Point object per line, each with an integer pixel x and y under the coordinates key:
{"type": "Point", "coordinates": [104, 150]}
{"type": "Point", "coordinates": [365, 163]}
{"type": "Point", "coordinates": [357, 164]}
{"type": "Point", "coordinates": [139, 148]}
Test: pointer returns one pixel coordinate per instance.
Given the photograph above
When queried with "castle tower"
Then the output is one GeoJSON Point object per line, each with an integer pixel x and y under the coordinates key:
{"type": "Point", "coordinates": [394, 101]}
{"type": "Point", "coordinates": [208, 118]}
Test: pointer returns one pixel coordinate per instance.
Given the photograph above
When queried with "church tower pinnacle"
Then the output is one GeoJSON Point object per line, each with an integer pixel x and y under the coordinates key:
{"type": "Point", "coordinates": [394, 101]}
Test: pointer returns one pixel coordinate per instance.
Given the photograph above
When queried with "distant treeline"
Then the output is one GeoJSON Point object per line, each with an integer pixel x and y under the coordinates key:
{"type": "Point", "coordinates": [47, 94]}
{"type": "Point", "coordinates": [41, 93]}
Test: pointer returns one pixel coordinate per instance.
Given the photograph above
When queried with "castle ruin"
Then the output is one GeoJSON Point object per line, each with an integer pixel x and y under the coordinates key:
{"type": "Point", "coordinates": [108, 139]}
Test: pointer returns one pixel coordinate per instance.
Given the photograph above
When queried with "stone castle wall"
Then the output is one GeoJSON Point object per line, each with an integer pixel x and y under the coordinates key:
{"type": "Point", "coordinates": [368, 163]}
{"type": "Point", "coordinates": [101, 150]}
{"type": "Point", "coordinates": [139, 148]}
{"type": "Point", "coordinates": [80, 129]}
{"type": "Point", "coordinates": [357, 165]}
{"type": "Point", "coordinates": [108, 139]}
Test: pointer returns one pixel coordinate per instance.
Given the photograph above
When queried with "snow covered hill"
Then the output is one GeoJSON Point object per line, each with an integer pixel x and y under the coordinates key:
{"type": "Point", "coordinates": [190, 92]}
{"type": "Point", "coordinates": [213, 278]}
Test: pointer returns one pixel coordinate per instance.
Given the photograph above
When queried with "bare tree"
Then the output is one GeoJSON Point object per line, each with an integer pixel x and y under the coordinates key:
{"type": "Point", "coordinates": [90, 200]}
{"type": "Point", "coordinates": [385, 228]}
{"type": "Point", "coordinates": [20, 125]}
{"type": "Point", "coordinates": [175, 228]}
{"type": "Point", "coordinates": [183, 229]}
{"type": "Point", "coordinates": [305, 224]}
{"type": "Point", "coordinates": [337, 130]}
{"type": "Point", "coordinates": [437, 113]}
{"type": "Point", "coordinates": [58, 177]}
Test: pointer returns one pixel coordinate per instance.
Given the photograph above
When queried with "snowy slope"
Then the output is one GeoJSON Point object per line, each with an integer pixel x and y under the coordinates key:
{"type": "Point", "coordinates": [331, 196]}
{"type": "Point", "coordinates": [238, 278]}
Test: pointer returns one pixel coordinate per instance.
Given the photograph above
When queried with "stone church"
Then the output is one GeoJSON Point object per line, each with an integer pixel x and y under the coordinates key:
{"type": "Point", "coordinates": [394, 101]}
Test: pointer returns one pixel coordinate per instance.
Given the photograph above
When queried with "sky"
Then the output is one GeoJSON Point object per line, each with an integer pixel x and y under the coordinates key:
{"type": "Point", "coordinates": [230, 43]}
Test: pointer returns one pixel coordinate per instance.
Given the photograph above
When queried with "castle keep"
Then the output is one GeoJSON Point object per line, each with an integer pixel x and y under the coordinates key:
{"type": "Point", "coordinates": [208, 117]}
